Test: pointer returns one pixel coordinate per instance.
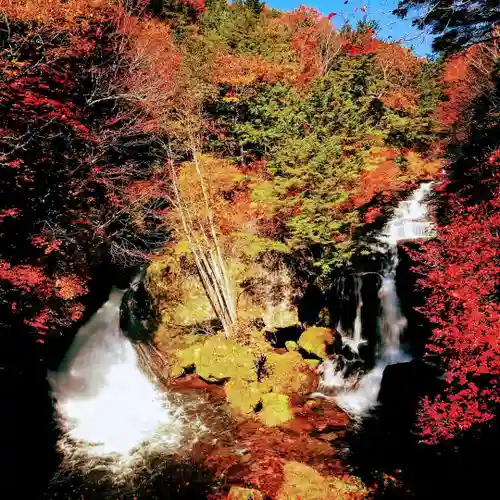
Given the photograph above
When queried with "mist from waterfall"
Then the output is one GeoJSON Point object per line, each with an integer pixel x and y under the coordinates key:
{"type": "Point", "coordinates": [354, 393]}
{"type": "Point", "coordinates": [106, 405]}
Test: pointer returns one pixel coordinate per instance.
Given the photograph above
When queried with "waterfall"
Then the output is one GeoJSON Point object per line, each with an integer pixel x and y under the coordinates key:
{"type": "Point", "coordinates": [106, 404]}
{"type": "Point", "coordinates": [349, 325]}
{"type": "Point", "coordinates": [357, 393]}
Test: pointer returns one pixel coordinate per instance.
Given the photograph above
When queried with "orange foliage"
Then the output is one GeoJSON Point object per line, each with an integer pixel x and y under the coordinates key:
{"type": "Point", "coordinates": [313, 41]}
{"type": "Point", "coordinates": [248, 70]}
{"type": "Point", "coordinates": [395, 61]}
{"type": "Point", "coordinates": [54, 12]}
{"type": "Point", "coordinates": [404, 98]}
{"type": "Point", "coordinates": [465, 76]}
{"type": "Point", "coordinates": [69, 287]}
{"type": "Point", "coordinates": [154, 65]}
{"type": "Point", "coordinates": [383, 179]}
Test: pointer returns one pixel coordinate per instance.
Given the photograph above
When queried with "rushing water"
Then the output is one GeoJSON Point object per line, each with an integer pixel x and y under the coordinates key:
{"type": "Point", "coordinates": [107, 406]}
{"type": "Point", "coordinates": [356, 392]}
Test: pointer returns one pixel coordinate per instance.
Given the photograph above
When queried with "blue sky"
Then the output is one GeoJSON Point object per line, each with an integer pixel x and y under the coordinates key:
{"type": "Point", "coordinates": [390, 27]}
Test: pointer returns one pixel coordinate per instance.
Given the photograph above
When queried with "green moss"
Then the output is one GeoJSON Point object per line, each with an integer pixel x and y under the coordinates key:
{"type": "Point", "coordinates": [302, 481]}
{"type": "Point", "coordinates": [291, 346]}
{"type": "Point", "coordinates": [276, 409]}
{"type": "Point", "coordinates": [238, 493]}
{"type": "Point", "coordinates": [243, 396]}
{"type": "Point", "coordinates": [315, 340]}
{"type": "Point", "coordinates": [219, 358]}
{"type": "Point", "coordinates": [183, 355]}
{"type": "Point", "coordinates": [287, 373]}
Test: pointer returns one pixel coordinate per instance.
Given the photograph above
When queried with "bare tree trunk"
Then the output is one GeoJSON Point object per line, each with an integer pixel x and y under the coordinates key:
{"type": "Point", "coordinates": [205, 248]}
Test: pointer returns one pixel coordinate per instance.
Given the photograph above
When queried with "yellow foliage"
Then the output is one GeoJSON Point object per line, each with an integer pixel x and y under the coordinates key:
{"type": "Point", "coordinates": [421, 167]}
{"type": "Point", "coordinates": [276, 409]}
{"type": "Point", "coordinates": [247, 70]}
{"type": "Point", "coordinates": [315, 340]}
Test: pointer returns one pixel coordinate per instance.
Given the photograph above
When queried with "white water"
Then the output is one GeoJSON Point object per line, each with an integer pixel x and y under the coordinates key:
{"type": "Point", "coordinates": [353, 339]}
{"type": "Point", "coordinates": [106, 405]}
{"type": "Point", "coordinates": [356, 396]}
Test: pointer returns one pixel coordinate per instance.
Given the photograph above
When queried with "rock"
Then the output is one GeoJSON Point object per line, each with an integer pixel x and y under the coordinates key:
{"type": "Point", "coordinates": [242, 396]}
{"type": "Point", "coordinates": [138, 316]}
{"type": "Point", "coordinates": [276, 409]}
{"type": "Point", "coordinates": [281, 315]}
{"type": "Point", "coordinates": [315, 340]}
{"type": "Point", "coordinates": [330, 436]}
{"type": "Point", "coordinates": [291, 346]}
{"type": "Point", "coordinates": [220, 359]}
{"type": "Point", "coordinates": [238, 493]}
{"type": "Point", "coordinates": [304, 482]}
{"type": "Point", "coordinates": [288, 374]}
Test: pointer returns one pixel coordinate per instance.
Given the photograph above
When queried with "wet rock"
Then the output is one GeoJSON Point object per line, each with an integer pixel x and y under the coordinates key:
{"type": "Point", "coordinates": [276, 409]}
{"type": "Point", "coordinates": [315, 340]}
{"type": "Point", "coordinates": [138, 316]}
{"type": "Point", "coordinates": [238, 493]}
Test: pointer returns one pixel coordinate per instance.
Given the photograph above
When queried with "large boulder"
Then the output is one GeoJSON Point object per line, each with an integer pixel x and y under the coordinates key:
{"type": "Point", "coordinates": [315, 340]}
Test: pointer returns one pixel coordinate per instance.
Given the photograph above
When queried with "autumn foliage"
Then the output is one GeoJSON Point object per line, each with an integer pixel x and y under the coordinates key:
{"type": "Point", "coordinates": [462, 276]}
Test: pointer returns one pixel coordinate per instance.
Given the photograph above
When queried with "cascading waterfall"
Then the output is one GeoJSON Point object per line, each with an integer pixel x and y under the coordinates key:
{"type": "Point", "coordinates": [106, 404]}
{"type": "Point", "coordinates": [357, 395]}
{"type": "Point", "coordinates": [351, 335]}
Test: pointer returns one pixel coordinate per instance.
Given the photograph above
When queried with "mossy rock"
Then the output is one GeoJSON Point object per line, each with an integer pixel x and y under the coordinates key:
{"type": "Point", "coordinates": [288, 374]}
{"type": "Point", "coordinates": [304, 482]}
{"type": "Point", "coordinates": [239, 493]}
{"type": "Point", "coordinates": [291, 346]}
{"type": "Point", "coordinates": [220, 359]}
{"type": "Point", "coordinates": [243, 396]}
{"type": "Point", "coordinates": [276, 409]}
{"type": "Point", "coordinates": [184, 359]}
{"type": "Point", "coordinates": [315, 340]}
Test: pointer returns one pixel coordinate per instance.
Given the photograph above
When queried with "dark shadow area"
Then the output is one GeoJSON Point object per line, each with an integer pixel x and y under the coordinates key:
{"type": "Point", "coordinates": [279, 336]}
{"type": "Point", "coordinates": [28, 433]}
{"type": "Point", "coordinates": [310, 305]}
{"type": "Point", "coordinates": [160, 478]}
{"type": "Point", "coordinates": [411, 298]}
{"type": "Point", "coordinates": [386, 442]}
